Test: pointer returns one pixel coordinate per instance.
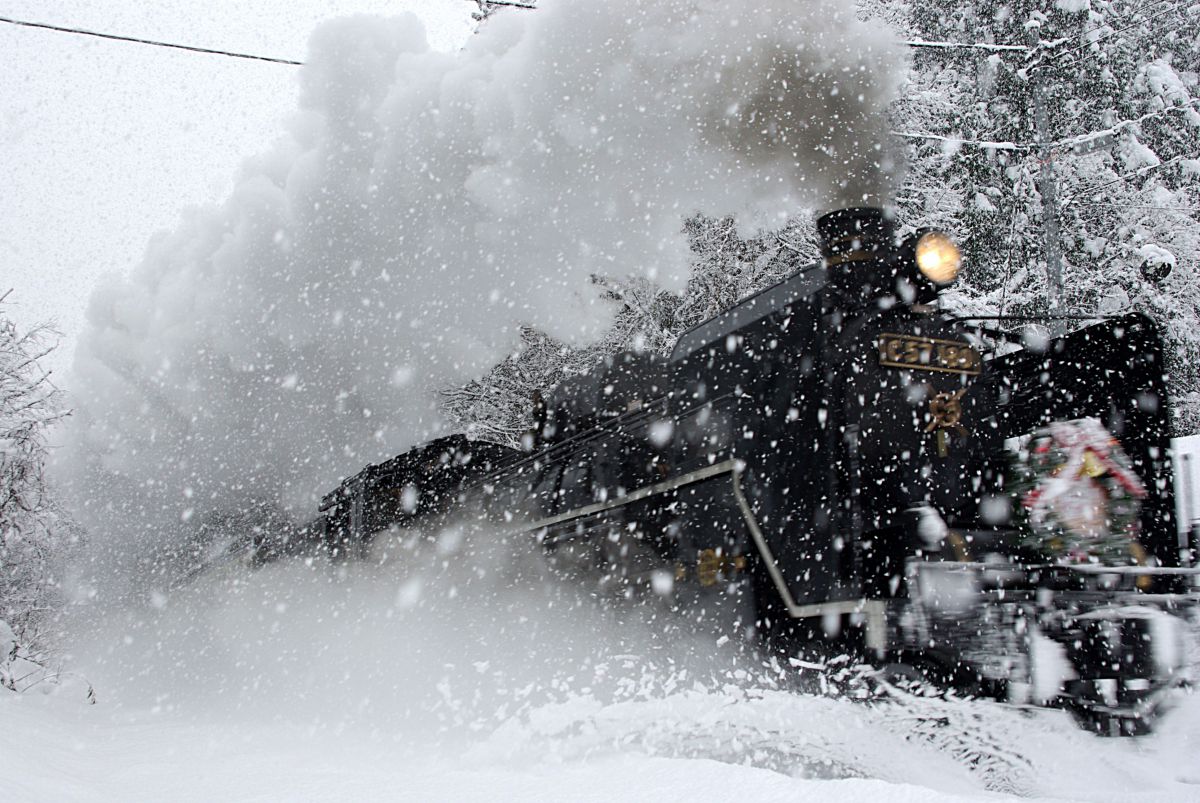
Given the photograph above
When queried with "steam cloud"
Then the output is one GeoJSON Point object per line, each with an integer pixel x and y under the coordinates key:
{"type": "Point", "coordinates": [452, 637]}
{"type": "Point", "coordinates": [420, 207]}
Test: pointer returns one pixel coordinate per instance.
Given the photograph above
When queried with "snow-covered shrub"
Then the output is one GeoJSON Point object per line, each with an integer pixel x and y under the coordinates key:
{"type": "Point", "coordinates": [19, 668]}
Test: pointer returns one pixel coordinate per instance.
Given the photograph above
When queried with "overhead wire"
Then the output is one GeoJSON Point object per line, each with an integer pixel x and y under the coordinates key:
{"type": "Point", "coordinates": [505, 4]}
{"type": "Point", "coordinates": [921, 43]}
{"type": "Point", "coordinates": [1113, 129]}
{"type": "Point", "coordinates": [1020, 146]}
{"type": "Point", "coordinates": [141, 41]}
{"type": "Point", "coordinates": [1142, 171]}
{"type": "Point", "coordinates": [1182, 209]}
{"type": "Point", "coordinates": [1025, 48]}
{"type": "Point", "coordinates": [1121, 17]}
{"type": "Point", "coordinates": [1078, 59]}
{"type": "Point", "coordinates": [1055, 60]}
{"type": "Point", "coordinates": [1145, 8]}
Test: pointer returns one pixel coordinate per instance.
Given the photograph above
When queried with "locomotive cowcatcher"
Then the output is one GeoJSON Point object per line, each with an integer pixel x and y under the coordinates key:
{"type": "Point", "coordinates": [826, 466]}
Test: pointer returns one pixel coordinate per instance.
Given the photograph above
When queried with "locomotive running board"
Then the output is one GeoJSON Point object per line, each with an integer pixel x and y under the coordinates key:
{"type": "Point", "coordinates": [874, 610]}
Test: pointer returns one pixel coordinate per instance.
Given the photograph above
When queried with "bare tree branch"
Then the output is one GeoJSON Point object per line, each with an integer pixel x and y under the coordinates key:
{"type": "Point", "coordinates": [33, 529]}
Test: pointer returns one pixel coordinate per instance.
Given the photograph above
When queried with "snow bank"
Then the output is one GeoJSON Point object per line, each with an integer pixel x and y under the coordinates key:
{"type": "Point", "coordinates": [420, 206]}
{"type": "Point", "coordinates": [452, 669]}
{"type": "Point", "coordinates": [331, 692]}
{"type": "Point", "coordinates": [66, 755]}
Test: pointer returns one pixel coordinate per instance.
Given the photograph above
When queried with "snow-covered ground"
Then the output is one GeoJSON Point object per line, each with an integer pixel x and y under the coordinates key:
{"type": "Point", "coordinates": [709, 744]}
{"type": "Point", "coordinates": [306, 683]}
{"type": "Point", "coordinates": [49, 753]}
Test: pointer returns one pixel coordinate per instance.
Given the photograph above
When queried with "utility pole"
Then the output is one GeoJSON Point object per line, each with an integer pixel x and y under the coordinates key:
{"type": "Point", "coordinates": [1051, 236]}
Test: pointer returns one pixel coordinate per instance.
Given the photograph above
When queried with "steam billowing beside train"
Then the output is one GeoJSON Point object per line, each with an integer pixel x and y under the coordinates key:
{"type": "Point", "coordinates": [826, 464]}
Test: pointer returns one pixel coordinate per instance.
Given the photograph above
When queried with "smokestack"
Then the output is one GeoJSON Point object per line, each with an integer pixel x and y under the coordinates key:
{"type": "Point", "coordinates": [858, 248]}
{"type": "Point", "coordinates": [857, 234]}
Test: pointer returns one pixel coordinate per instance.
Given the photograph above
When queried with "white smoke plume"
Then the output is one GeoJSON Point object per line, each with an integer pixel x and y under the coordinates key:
{"type": "Point", "coordinates": [421, 206]}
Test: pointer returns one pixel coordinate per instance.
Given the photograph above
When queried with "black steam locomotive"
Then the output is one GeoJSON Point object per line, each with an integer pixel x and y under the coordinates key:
{"type": "Point", "coordinates": [824, 465]}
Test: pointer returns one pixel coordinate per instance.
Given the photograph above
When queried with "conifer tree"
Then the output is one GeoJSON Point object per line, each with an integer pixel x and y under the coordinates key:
{"type": "Point", "coordinates": [1119, 87]}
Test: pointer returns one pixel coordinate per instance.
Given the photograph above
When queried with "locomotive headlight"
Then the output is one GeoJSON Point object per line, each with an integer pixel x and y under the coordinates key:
{"type": "Point", "coordinates": [938, 258]}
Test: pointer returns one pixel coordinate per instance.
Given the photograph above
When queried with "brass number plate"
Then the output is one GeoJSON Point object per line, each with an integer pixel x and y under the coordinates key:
{"type": "Point", "coordinates": [928, 354]}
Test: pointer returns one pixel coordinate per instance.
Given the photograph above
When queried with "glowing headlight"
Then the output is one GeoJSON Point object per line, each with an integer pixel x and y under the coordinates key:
{"type": "Point", "coordinates": [938, 257]}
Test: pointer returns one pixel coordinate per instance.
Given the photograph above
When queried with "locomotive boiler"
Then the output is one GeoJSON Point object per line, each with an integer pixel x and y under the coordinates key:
{"type": "Point", "coordinates": [827, 466]}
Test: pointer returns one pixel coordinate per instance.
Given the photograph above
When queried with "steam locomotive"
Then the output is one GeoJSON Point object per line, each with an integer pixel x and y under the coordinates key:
{"type": "Point", "coordinates": [826, 466]}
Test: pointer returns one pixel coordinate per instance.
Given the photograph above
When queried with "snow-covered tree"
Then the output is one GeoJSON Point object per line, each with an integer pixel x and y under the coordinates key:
{"type": "Point", "coordinates": [498, 407]}
{"type": "Point", "coordinates": [1117, 81]}
{"type": "Point", "coordinates": [726, 268]}
{"type": "Point", "coordinates": [33, 531]}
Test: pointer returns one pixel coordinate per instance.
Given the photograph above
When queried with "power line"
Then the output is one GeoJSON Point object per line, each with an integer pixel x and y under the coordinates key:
{"type": "Point", "coordinates": [1141, 171]}
{"type": "Point", "coordinates": [1113, 130]}
{"type": "Point", "coordinates": [1109, 32]}
{"type": "Point", "coordinates": [1079, 57]}
{"type": "Point", "coordinates": [489, 7]}
{"type": "Point", "coordinates": [1058, 145]}
{"type": "Point", "coordinates": [118, 38]}
{"type": "Point", "coordinates": [1056, 59]}
{"type": "Point", "coordinates": [1184, 209]}
{"type": "Point", "coordinates": [979, 143]}
{"type": "Point", "coordinates": [1145, 7]}
{"type": "Point", "coordinates": [963, 45]}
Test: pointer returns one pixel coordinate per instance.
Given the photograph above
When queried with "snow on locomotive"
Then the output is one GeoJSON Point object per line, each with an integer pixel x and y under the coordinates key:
{"type": "Point", "coordinates": [830, 464]}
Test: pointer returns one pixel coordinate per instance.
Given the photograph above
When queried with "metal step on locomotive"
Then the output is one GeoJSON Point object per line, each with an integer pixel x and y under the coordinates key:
{"type": "Point", "coordinates": [835, 463]}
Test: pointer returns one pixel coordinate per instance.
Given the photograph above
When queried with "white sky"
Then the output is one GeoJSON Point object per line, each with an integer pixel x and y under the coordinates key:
{"type": "Point", "coordinates": [105, 142]}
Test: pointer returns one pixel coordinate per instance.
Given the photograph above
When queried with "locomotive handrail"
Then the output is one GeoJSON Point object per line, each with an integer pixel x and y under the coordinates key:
{"type": "Point", "coordinates": [1108, 316]}
{"type": "Point", "coordinates": [1093, 569]}
{"type": "Point", "coordinates": [1088, 568]}
{"type": "Point", "coordinates": [652, 490]}
{"type": "Point", "coordinates": [555, 450]}
{"type": "Point", "coordinates": [1000, 334]}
